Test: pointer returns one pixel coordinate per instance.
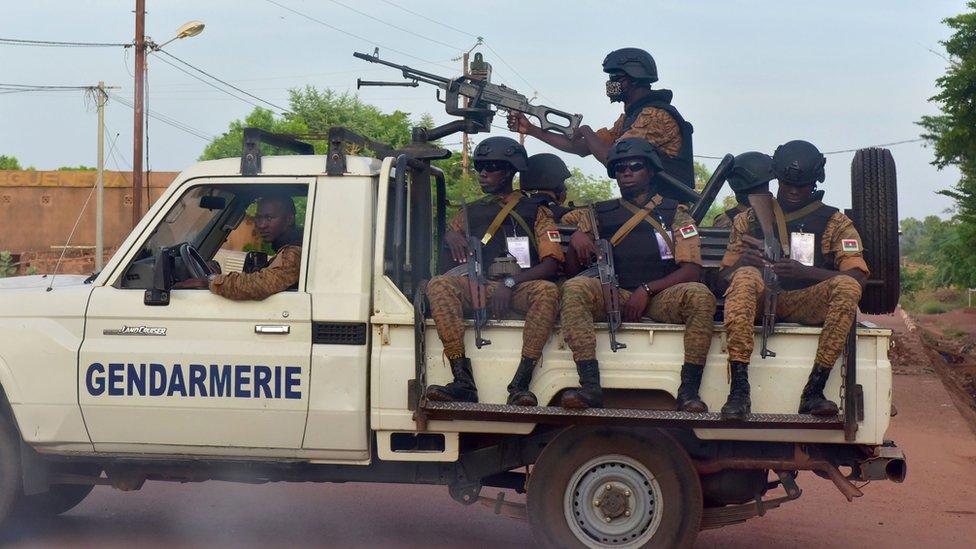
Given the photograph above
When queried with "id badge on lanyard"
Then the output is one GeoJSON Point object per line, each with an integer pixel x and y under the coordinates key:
{"type": "Point", "coordinates": [518, 247]}
{"type": "Point", "coordinates": [662, 245]}
{"type": "Point", "coordinates": [802, 248]}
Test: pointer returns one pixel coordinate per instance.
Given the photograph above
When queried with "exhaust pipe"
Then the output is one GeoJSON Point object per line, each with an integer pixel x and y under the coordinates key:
{"type": "Point", "coordinates": [887, 463]}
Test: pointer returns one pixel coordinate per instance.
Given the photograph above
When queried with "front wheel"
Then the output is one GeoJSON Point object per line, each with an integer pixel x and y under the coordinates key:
{"type": "Point", "coordinates": [612, 487]}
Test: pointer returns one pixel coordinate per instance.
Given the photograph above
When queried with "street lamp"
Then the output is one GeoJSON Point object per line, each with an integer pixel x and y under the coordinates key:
{"type": "Point", "coordinates": [186, 30]}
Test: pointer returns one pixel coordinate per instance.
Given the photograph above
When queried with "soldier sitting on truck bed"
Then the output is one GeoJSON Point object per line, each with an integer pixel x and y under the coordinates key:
{"type": "Point", "coordinates": [648, 114]}
{"type": "Point", "coordinates": [522, 254]}
{"type": "Point", "coordinates": [657, 256]}
{"type": "Point", "coordinates": [821, 275]}
{"type": "Point", "coordinates": [275, 222]}
{"type": "Point", "coordinates": [545, 179]}
{"type": "Point", "coordinates": [751, 173]}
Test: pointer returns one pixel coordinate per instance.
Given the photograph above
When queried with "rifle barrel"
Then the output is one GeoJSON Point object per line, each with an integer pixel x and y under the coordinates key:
{"type": "Point", "coordinates": [408, 72]}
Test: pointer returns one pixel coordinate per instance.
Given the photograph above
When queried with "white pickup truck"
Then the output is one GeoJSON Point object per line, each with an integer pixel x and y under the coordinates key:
{"type": "Point", "coordinates": [118, 378]}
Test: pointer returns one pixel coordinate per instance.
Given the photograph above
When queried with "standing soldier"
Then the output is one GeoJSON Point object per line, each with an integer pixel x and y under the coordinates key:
{"type": "Point", "coordinates": [751, 173]}
{"type": "Point", "coordinates": [521, 252]}
{"type": "Point", "coordinates": [648, 114]}
{"type": "Point", "coordinates": [657, 256]}
{"type": "Point", "coordinates": [822, 274]}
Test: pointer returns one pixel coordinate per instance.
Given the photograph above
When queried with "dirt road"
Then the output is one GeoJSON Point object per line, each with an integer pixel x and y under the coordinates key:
{"type": "Point", "coordinates": [935, 507]}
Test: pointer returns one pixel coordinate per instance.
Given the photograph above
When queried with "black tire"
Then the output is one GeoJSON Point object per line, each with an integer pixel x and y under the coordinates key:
{"type": "Point", "coordinates": [874, 201]}
{"type": "Point", "coordinates": [576, 466]}
{"type": "Point", "coordinates": [10, 482]}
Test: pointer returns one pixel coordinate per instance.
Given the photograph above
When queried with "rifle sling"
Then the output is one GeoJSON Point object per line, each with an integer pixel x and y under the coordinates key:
{"type": "Point", "coordinates": [783, 218]}
{"type": "Point", "coordinates": [510, 203]}
{"type": "Point", "coordinates": [640, 214]}
{"type": "Point", "coordinates": [525, 227]}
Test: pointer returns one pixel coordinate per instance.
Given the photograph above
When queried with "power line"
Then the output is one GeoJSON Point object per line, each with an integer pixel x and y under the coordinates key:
{"type": "Point", "coordinates": [892, 144]}
{"type": "Point", "coordinates": [35, 87]}
{"type": "Point", "coordinates": [422, 16]}
{"type": "Point", "coordinates": [168, 120]}
{"type": "Point", "coordinates": [208, 83]}
{"type": "Point", "coordinates": [397, 27]}
{"type": "Point", "coordinates": [59, 44]}
{"type": "Point", "coordinates": [224, 82]}
{"type": "Point", "coordinates": [356, 36]}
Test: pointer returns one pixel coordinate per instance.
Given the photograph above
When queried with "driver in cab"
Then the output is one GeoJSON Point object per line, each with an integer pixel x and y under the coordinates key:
{"type": "Point", "coordinates": [275, 222]}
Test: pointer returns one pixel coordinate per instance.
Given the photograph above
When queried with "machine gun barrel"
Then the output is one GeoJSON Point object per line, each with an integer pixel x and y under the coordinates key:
{"type": "Point", "coordinates": [360, 83]}
{"type": "Point", "coordinates": [408, 72]}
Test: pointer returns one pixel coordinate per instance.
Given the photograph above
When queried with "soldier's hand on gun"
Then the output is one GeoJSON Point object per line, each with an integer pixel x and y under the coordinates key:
{"type": "Point", "coordinates": [518, 122]}
{"type": "Point", "coordinates": [583, 245]}
{"type": "Point", "coordinates": [752, 255]}
{"type": "Point", "coordinates": [458, 245]}
{"type": "Point", "coordinates": [790, 268]}
{"type": "Point", "coordinates": [501, 300]}
{"type": "Point", "coordinates": [633, 310]}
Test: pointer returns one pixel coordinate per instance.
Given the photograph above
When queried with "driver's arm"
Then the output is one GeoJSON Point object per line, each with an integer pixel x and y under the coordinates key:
{"type": "Point", "coordinates": [282, 273]}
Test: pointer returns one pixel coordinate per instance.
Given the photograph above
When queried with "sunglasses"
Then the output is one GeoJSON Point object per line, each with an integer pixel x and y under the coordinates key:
{"type": "Point", "coordinates": [633, 166]}
{"type": "Point", "coordinates": [491, 166]}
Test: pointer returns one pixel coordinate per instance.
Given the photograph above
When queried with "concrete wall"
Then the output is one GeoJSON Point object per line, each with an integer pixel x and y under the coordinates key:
{"type": "Point", "coordinates": [38, 208]}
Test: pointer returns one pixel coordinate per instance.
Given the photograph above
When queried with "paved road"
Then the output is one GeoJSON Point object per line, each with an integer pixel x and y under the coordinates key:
{"type": "Point", "coordinates": [936, 506]}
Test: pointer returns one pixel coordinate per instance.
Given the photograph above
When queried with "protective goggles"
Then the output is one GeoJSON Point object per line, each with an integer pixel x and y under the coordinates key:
{"type": "Point", "coordinates": [624, 165]}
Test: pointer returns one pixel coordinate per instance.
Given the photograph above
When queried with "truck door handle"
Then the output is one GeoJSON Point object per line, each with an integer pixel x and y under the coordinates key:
{"type": "Point", "coordinates": [272, 329]}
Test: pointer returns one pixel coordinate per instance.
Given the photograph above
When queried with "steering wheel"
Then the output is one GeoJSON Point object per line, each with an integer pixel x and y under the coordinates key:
{"type": "Point", "coordinates": [194, 262]}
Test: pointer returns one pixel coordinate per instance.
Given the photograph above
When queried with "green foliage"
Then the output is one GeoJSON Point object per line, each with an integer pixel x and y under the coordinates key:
{"type": "Point", "coordinates": [7, 266]}
{"type": "Point", "coordinates": [79, 168]}
{"type": "Point", "coordinates": [943, 245]}
{"type": "Point", "coordinates": [586, 189]}
{"type": "Point", "coordinates": [913, 279]}
{"type": "Point", "coordinates": [9, 163]}
{"type": "Point", "coordinates": [952, 135]}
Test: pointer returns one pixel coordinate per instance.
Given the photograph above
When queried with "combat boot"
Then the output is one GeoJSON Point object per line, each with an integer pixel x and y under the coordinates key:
{"type": "Point", "coordinates": [462, 389]}
{"type": "Point", "coordinates": [518, 390]}
{"type": "Point", "coordinates": [688, 399]}
{"type": "Point", "coordinates": [589, 395]}
{"type": "Point", "coordinates": [739, 404]}
{"type": "Point", "coordinates": [813, 401]}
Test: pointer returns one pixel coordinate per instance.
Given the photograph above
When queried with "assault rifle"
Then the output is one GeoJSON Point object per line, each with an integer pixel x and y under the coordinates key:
{"type": "Point", "coordinates": [482, 94]}
{"type": "Point", "coordinates": [608, 281]}
{"type": "Point", "coordinates": [476, 282]}
{"type": "Point", "coordinates": [762, 204]}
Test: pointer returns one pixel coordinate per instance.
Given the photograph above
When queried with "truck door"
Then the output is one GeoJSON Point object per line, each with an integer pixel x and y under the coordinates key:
{"type": "Point", "coordinates": [203, 371]}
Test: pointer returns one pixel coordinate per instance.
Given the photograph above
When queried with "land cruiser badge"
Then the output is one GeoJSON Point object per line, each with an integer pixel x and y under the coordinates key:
{"type": "Point", "coordinates": [136, 331]}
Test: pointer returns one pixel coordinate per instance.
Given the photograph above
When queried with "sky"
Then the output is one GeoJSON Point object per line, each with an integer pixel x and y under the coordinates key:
{"type": "Point", "coordinates": [749, 75]}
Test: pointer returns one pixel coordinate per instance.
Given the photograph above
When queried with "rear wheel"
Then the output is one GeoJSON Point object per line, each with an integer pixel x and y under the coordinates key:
{"type": "Point", "coordinates": [614, 487]}
{"type": "Point", "coordinates": [61, 498]}
{"type": "Point", "coordinates": [874, 202]}
{"type": "Point", "coordinates": [9, 466]}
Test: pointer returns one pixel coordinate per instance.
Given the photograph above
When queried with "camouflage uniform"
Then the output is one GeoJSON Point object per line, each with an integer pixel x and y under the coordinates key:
{"type": "Point", "coordinates": [280, 274]}
{"type": "Point", "coordinates": [652, 124]}
{"type": "Point", "coordinates": [724, 219]}
{"type": "Point", "coordinates": [832, 302]}
{"type": "Point", "coordinates": [449, 295]}
{"type": "Point", "coordinates": [689, 303]}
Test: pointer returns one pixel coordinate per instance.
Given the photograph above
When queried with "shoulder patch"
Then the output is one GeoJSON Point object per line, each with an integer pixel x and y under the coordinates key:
{"type": "Point", "coordinates": [553, 236]}
{"type": "Point", "coordinates": [850, 245]}
{"type": "Point", "coordinates": [688, 231]}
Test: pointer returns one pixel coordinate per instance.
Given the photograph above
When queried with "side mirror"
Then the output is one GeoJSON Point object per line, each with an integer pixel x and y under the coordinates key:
{"type": "Point", "coordinates": [209, 202]}
{"type": "Point", "coordinates": [158, 295]}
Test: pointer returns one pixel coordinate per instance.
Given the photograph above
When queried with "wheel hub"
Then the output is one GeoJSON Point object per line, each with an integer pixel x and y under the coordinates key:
{"type": "Point", "coordinates": [615, 501]}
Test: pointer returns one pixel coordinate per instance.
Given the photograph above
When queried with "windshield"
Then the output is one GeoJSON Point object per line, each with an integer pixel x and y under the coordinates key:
{"type": "Point", "coordinates": [188, 220]}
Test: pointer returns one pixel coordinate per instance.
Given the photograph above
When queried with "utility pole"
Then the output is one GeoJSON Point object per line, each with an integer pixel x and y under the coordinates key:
{"type": "Point", "coordinates": [138, 116]}
{"type": "Point", "coordinates": [101, 99]}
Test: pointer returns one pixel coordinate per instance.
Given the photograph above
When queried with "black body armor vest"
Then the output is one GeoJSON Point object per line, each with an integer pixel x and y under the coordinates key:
{"type": "Point", "coordinates": [480, 215]}
{"type": "Point", "coordinates": [637, 258]}
{"type": "Point", "coordinates": [682, 166]}
{"type": "Point", "coordinates": [815, 222]}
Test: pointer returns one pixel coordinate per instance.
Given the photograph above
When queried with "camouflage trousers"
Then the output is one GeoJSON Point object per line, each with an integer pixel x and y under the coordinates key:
{"type": "Point", "coordinates": [832, 302]}
{"type": "Point", "coordinates": [689, 303]}
{"type": "Point", "coordinates": [449, 296]}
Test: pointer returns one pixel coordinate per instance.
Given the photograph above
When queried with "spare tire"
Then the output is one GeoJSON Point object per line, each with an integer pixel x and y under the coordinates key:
{"type": "Point", "coordinates": [874, 203]}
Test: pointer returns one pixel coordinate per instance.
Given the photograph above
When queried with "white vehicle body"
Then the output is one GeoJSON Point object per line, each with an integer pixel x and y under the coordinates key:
{"type": "Point", "coordinates": [88, 368]}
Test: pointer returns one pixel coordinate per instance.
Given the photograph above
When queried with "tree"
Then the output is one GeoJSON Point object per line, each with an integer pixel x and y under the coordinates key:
{"type": "Point", "coordinates": [953, 137]}
{"type": "Point", "coordinates": [9, 163]}
{"type": "Point", "coordinates": [587, 189]}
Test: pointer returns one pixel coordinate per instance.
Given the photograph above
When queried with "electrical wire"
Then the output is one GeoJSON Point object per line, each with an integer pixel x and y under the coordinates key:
{"type": "Point", "coordinates": [892, 144]}
{"type": "Point", "coordinates": [399, 28]}
{"type": "Point", "coordinates": [224, 82]}
{"type": "Point", "coordinates": [168, 120]}
{"type": "Point", "coordinates": [57, 44]}
{"type": "Point", "coordinates": [208, 83]}
{"type": "Point", "coordinates": [356, 36]}
{"type": "Point", "coordinates": [422, 16]}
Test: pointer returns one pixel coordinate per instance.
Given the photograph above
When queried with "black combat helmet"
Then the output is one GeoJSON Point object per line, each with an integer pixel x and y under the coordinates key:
{"type": "Point", "coordinates": [634, 62]}
{"type": "Point", "coordinates": [798, 163]}
{"type": "Point", "coordinates": [501, 148]}
{"type": "Point", "coordinates": [545, 172]}
{"type": "Point", "coordinates": [633, 147]}
{"type": "Point", "coordinates": [750, 170]}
